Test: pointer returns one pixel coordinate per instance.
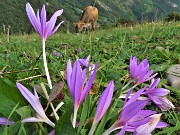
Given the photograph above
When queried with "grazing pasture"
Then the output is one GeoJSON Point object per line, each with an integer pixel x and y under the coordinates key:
{"type": "Point", "coordinates": [21, 59]}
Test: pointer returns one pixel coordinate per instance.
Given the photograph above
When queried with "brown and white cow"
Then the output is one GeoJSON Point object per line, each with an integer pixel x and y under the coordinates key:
{"type": "Point", "coordinates": [88, 19]}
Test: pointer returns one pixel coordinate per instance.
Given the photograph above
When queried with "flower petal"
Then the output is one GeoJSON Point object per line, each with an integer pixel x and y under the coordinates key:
{"type": "Point", "coordinates": [5, 121]}
{"type": "Point", "coordinates": [88, 84]}
{"type": "Point", "coordinates": [104, 102]}
{"type": "Point", "coordinates": [146, 129]}
{"type": "Point", "coordinates": [32, 119]}
{"type": "Point", "coordinates": [76, 82]}
{"type": "Point", "coordinates": [161, 92]}
{"type": "Point", "coordinates": [33, 100]}
{"type": "Point", "coordinates": [134, 97]}
{"type": "Point", "coordinates": [131, 110]}
{"type": "Point", "coordinates": [32, 18]}
{"type": "Point", "coordinates": [43, 22]}
{"type": "Point", "coordinates": [55, 29]}
{"type": "Point", "coordinates": [52, 21]}
{"type": "Point", "coordinates": [68, 77]}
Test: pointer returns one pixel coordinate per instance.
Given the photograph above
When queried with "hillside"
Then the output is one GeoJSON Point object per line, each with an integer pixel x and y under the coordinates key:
{"type": "Point", "coordinates": [12, 13]}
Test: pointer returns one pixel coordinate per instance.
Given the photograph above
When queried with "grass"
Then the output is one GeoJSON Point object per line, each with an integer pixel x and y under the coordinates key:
{"type": "Point", "coordinates": [110, 47]}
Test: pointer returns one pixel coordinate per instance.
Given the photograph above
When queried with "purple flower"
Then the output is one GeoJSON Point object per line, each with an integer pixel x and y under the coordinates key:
{"type": "Point", "coordinates": [78, 84]}
{"type": "Point", "coordinates": [157, 95]}
{"type": "Point", "coordinates": [140, 71]}
{"type": "Point", "coordinates": [57, 54]}
{"type": "Point", "coordinates": [147, 128]}
{"type": "Point", "coordinates": [132, 115]}
{"type": "Point", "coordinates": [43, 28]}
{"type": "Point", "coordinates": [79, 50]}
{"type": "Point", "coordinates": [5, 121]}
{"type": "Point", "coordinates": [103, 105]}
{"type": "Point", "coordinates": [35, 103]}
{"type": "Point", "coordinates": [127, 113]}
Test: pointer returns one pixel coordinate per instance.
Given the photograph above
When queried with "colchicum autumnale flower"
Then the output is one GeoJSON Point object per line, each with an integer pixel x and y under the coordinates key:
{"type": "Point", "coordinates": [103, 105]}
{"type": "Point", "coordinates": [140, 71]}
{"type": "Point", "coordinates": [132, 115]}
{"type": "Point", "coordinates": [44, 28]}
{"type": "Point", "coordinates": [78, 84]}
{"type": "Point", "coordinates": [35, 103]}
{"type": "Point", "coordinates": [157, 95]}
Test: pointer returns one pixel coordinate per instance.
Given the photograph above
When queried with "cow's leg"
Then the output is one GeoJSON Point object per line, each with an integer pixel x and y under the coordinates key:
{"type": "Point", "coordinates": [93, 26]}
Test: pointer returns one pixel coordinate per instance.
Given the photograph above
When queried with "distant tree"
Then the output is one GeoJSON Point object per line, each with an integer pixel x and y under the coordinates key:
{"type": "Point", "coordinates": [173, 17]}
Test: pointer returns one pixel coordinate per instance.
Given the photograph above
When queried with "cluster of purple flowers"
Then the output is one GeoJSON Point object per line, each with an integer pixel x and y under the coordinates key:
{"type": "Point", "coordinates": [133, 118]}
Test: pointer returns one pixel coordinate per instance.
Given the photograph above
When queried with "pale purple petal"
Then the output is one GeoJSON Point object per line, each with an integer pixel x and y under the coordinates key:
{"type": "Point", "coordinates": [33, 100]}
{"type": "Point", "coordinates": [155, 99]}
{"type": "Point", "coordinates": [88, 58]}
{"type": "Point", "coordinates": [5, 121]}
{"type": "Point", "coordinates": [55, 29]}
{"type": "Point", "coordinates": [134, 97]}
{"type": "Point", "coordinates": [161, 124]}
{"type": "Point", "coordinates": [142, 114]}
{"type": "Point", "coordinates": [127, 96]}
{"type": "Point", "coordinates": [139, 123]}
{"type": "Point", "coordinates": [32, 119]}
{"type": "Point", "coordinates": [68, 77]}
{"type": "Point", "coordinates": [154, 84]}
{"type": "Point", "coordinates": [104, 102]}
{"type": "Point", "coordinates": [161, 92]}
{"type": "Point", "coordinates": [52, 21]}
{"type": "Point", "coordinates": [146, 129]}
{"type": "Point", "coordinates": [52, 132]}
{"type": "Point", "coordinates": [43, 22]}
{"type": "Point", "coordinates": [32, 18]}
{"type": "Point", "coordinates": [88, 84]}
{"type": "Point", "coordinates": [165, 104]}
{"type": "Point", "coordinates": [131, 110]}
{"type": "Point", "coordinates": [76, 82]}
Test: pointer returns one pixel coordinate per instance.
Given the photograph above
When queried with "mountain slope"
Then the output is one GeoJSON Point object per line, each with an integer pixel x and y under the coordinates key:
{"type": "Point", "coordinates": [12, 13]}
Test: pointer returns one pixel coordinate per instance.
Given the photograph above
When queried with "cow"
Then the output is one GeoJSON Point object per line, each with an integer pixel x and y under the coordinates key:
{"type": "Point", "coordinates": [88, 19]}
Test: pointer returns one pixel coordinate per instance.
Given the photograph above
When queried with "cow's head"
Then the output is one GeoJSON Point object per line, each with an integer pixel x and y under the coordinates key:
{"type": "Point", "coordinates": [79, 27]}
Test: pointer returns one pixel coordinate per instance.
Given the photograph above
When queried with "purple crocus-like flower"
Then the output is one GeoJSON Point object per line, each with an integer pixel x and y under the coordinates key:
{"type": "Point", "coordinates": [140, 71]}
{"type": "Point", "coordinates": [103, 105]}
{"type": "Point", "coordinates": [78, 50]}
{"type": "Point", "coordinates": [35, 103]}
{"type": "Point", "coordinates": [43, 27]}
{"type": "Point", "coordinates": [78, 84]}
{"type": "Point", "coordinates": [157, 95]}
{"type": "Point", "coordinates": [5, 121]}
{"type": "Point", "coordinates": [57, 54]}
{"type": "Point", "coordinates": [147, 128]}
{"type": "Point", "coordinates": [132, 115]}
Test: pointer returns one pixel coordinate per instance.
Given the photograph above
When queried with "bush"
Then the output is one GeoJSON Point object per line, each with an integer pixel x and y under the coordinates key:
{"type": "Point", "coordinates": [173, 17]}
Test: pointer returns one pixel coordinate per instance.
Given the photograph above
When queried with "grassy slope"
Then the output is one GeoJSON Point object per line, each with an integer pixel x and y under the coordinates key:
{"type": "Point", "coordinates": [112, 48]}
{"type": "Point", "coordinates": [157, 42]}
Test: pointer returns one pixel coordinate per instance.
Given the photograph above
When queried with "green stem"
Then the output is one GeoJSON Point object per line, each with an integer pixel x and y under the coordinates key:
{"type": "Point", "coordinates": [45, 65]}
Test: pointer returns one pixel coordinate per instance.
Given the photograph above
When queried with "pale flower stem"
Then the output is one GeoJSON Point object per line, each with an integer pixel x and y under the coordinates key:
{"type": "Point", "coordinates": [131, 88]}
{"type": "Point", "coordinates": [92, 128]}
{"type": "Point", "coordinates": [51, 123]}
{"type": "Point", "coordinates": [111, 129]}
{"type": "Point", "coordinates": [47, 97]}
{"type": "Point", "coordinates": [127, 84]}
{"type": "Point", "coordinates": [75, 115]}
{"type": "Point", "coordinates": [57, 108]}
{"type": "Point", "coordinates": [45, 65]}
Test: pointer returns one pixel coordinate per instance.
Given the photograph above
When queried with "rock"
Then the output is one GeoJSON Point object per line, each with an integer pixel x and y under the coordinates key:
{"type": "Point", "coordinates": [173, 76]}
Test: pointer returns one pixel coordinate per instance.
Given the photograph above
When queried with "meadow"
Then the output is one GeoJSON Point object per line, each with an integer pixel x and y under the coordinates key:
{"type": "Point", "coordinates": [21, 60]}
